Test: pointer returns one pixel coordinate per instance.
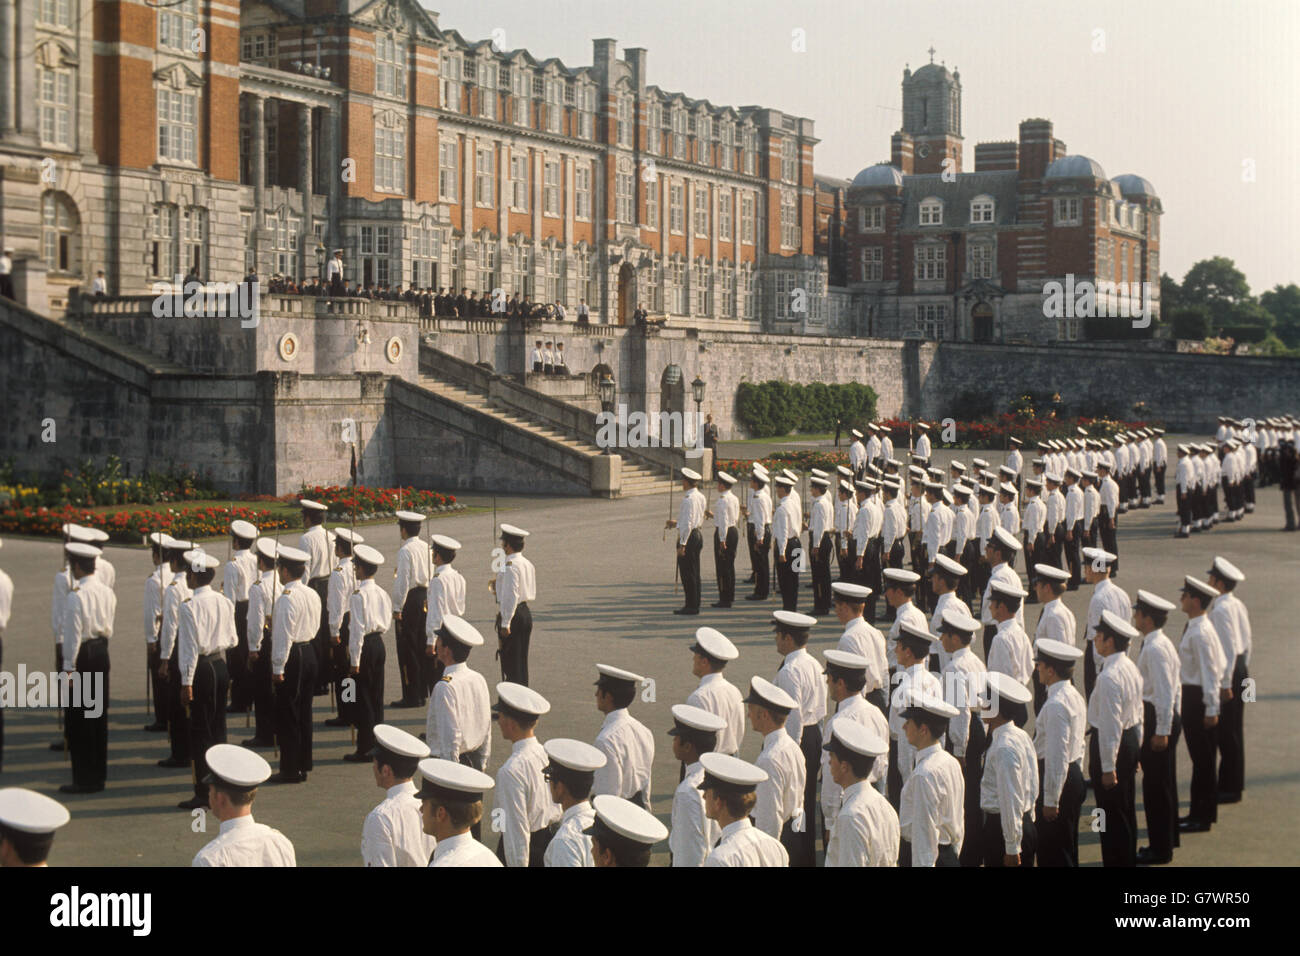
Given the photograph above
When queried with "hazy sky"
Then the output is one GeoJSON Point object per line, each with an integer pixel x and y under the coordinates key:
{"type": "Point", "coordinates": [1184, 92]}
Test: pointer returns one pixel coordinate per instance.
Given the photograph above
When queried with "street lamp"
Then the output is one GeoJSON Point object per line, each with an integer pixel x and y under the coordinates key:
{"type": "Point", "coordinates": [606, 389]}
{"type": "Point", "coordinates": [697, 390]}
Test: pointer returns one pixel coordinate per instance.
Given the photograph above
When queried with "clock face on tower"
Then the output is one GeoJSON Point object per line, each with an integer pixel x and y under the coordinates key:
{"type": "Point", "coordinates": [923, 150]}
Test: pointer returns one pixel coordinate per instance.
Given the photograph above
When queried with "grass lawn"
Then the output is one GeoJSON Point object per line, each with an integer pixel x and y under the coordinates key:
{"type": "Point", "coordinates": [783, 439]}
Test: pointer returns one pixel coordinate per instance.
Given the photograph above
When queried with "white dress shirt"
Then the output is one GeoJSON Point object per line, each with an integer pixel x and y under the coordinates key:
{"type": "Point", "coordinates": [1002, 574]}
{"type": "Point", "coordinates": [629, 750]}
{"type": "Point", "coordinates": [1116, 705]}
{"type": "Point", "coordinates": [1200, 659]}
{"type": "Point", "coordinates": [1223, 615]}
{"type": "Point", "coordinates": [907, 613]}
{"type": "Point", "coordinates": [1056, 622]}
{"type": "Point", "coordinates": [857, 454]}
{"type": "Point", "coordinates": [207, 627]}
{"type": "Point", "coordinates": [855, 707]}
{"type": "Point", "coordinates": [1106, 596]}
{"type": "Point", "coordinates": [446, 596]}
{"type": "Point", "coordinates": [1059, 730]}
{"type": "Point", "coordinates": [1035, 517]}
{"type": "Point", "coordinates": [785, 523]}
{"type": "Point", "coordinates": [6, 600]}
{"type": "Point", "coordinates": [690, 514]}
{"type": "Point", "coordinates": [931, 809]}
{"type": "Point", "coordinates": [570, 846]}
{"type": "Point", "coordinates": [91, 608]}
{"type": "Point", "coordinates": [516, 584]}
{"type": "Point", "coordinates": [802, 678]}
{"type": "Point", "coordinates": [174, 595]}
{"type": "Point", "coordinates": [726, 514]}
{"type": "Point", "coordinates": [948, 599]}
{"type": "Point", "coordinates": [1161, 686]}
{"type": "Point", "coordinates": [414, 569]}
{"type": "Point", "coordinates": [963, 680]}
{"type": "Point", "coordinates": [780, 796]}
{"type": "Point", "coordinates": [719, 696]}
{"type": "Point", "coordinates": [316, 542]}
{"type": "Point", "coordinates": [343, 581]}
{"type": "Point", "coordinates": [459, 716]}
{"type": "Point", "coordinates": [238, 575]}
{"type": "Point", "coordinates": [1010, 652]}
{"type": "Point", "coordinates": [743, 844]}
{"type": "Point", "coordinates": [295, 620]}
{"type": "Point", "coordinates": [923, 446]}
{"type": "Point", "coordinates": [260, 599]}
{"type": "Point", "coordinates": [760, 511]}
{"type": "Point", "coordinates": [865, 831]}
{"type": "Point", "coordinates": [243, 842]}
{"type": "Point", "coordinates": [692, 834]}
{"type": "Point", "coordinates": [1009, 785]}
{"type": "Point", "coordinates": [154, 585]}
{"type": "Point", "coordinates": [463, 850]}
{"type": "Point", "coordinates": [393, 834]}
{"type": "Point", "coordinates": [923, 679]}
{"type": "Point", "coordinates": [370, 609]}
{"type": "Point", "coordinates": [819, 522]}
{"type": "Point", "coordinates": [863, 639]}
{"type": "Point", "coordinates": [524, 798]}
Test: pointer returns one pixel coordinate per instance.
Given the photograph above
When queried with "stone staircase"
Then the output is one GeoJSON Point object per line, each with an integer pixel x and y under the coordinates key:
{"type": "Point", "coordinates": [637, 478]}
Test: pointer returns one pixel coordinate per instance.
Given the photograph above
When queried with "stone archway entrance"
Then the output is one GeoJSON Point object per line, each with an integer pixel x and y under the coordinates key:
{"type": "Point", "coordinates": [982, 322]}
{"type": "Point", "coordinates": [626, 293]}
{"type": "Point", "coordinates": [672, 390]}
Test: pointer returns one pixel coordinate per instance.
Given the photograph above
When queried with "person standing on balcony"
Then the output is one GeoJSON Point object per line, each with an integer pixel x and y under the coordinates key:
{"type": "Point", "coordinates": [334, 273]}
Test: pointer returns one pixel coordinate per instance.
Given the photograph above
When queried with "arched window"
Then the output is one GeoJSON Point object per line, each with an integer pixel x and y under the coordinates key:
{"type": "Point", "coordinates": [932, 211]}
{"type": "Point", "coordinates": [981, 209]}
{"type": "Point", "coordinates": [60, 233]}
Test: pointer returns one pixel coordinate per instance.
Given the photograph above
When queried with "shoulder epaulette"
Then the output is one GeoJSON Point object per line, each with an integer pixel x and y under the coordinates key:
{"type": "Point", "coordinates": [446, 678]}
{"type": "Point", "coordinates": [187, 600]}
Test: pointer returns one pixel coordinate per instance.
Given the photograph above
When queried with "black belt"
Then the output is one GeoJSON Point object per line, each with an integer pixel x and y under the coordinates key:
{"type": "Point", "coordinates": [215, 655]}
{"type": "Point", "coordinates": [94, 640]}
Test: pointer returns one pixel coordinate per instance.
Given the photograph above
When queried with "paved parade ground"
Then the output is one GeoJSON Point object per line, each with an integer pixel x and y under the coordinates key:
{"type": "Point", "coordinates": [605, 593]}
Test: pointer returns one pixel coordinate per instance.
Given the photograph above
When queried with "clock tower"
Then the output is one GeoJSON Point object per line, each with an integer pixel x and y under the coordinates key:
{"type": "Point", "coordinates": [932, 117]}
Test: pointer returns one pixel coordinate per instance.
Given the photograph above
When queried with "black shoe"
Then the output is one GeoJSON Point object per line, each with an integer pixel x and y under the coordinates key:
{"type": "Point", "coordinates": [748, 580]}
{"type": "Point", "coordinates": [155, 728]}
{"type": "Point", "coordinates": [400, 704]}
{"type": "Point", "coordinates": [1146, 857]}
{"type": "Point", "coordinates": [422, 733]}
{"type": "Point", "coordinates": [252, 742]}
{"type": "Point", "coordinates": [1187, 825]}
{"type": "Point", "coordinates": [59, 746]}
{"type": "Point", "coordinates": [81, 788]}
{"type": "Point", "coordinates": [1229, 798]}
{"type": "Point", "coordinates": [232, 709]}
{"type": "Point", "coordinates": [283, 777]}
{"type": "Point", "coordinates": [321, 690]}
{"type": "Point", "coordinates": [358, 757]}
{"type": "Point", "coordinates": [755, 597]}
{"type": "Point", "coordinates": [721, 604]}
{"type": "Point", "coordinates": [193, 803]}
{"type": "Point", "coordinates": [173, 763]}
{"type": "Point", "coordinates": [1182, 534]}
{"type": "Point", "coordinates": [686, 610]}
{"type": "Point", "coordinates": [338, 722]}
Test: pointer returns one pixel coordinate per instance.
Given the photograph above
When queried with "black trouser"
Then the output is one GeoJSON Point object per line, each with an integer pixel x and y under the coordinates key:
{"type": "Point", "coordinates": [972, 582]}
{"type": "Point", "coordinates": [1072, 553]}
{"type": "Point", "coordinates": [1119, 835]}
{"type": "Point", "coordinates": [410, 640]}
{"type": "Point", "coordinates": [1089, 669]}
{"type": "Point", "coordinates": [821, 572]}
{"type": "Point", "coordinates": [207, 714]}
{"type": "Point", "coordinates": [688, 563]}
{"type": "Point", "coordinates": [1058, 545]}
{"type": "Point", "coordinates": [972, 770]}
{"type": "Point", "coordinates": [1248, 490]}
{"type": "Point", "coordinates": [724, 564]}
{"type": "Point", "coordinates": [1144, 483]}
{"type": "Point", "coordinates": [1160, 480]}
{"type": "Point", "coordinates": [538, 841]}
{"type": "Point", "coordinates": [293, 700]}
{"type": "Point", "coordinates": [842, 560]}
{"type": "Point", "coordinates": [1040, 692]}
{"type": "Point", "coordinates": [2, 710]}
{"type": "Point", "coordinates": [88, 736]}
{"type": "Point", "coordinates": [810, 742]}
{"type": "Point", "coordinates": [1058, 840]}
{"type": "Point", "coordinates": [893, 777]}
{"type": "Point", "coordinates": [369, 708]}
{"type": "Point", "coordinates": [871, 576]}
{"type": "Point", "coordinates": [787, 578]}
{"type": "Point", "coordinates": [995, 847]}
{"type": "Point", "coordinates": [321, 642]}
{"type": "Point", "coordinates": [241, 688]}
{"type": "Point", "coordinates": [1232, 750]}
{"type": "Point", "coordinates": [947, 856]}
{"type": "Point", "coordinates": [924, 591]}
{"type": "Point", "coordinates": [1159, 784]}
{"type": "Point", "coordinates": [161, 711]}
{"type": "Point", "coordinates": [178, 721]}
{"type": "Point", "coordinates": [513, 651]}
{"type": "Point", "coordinates": [1031, 558]}
{"type": "Point", "coordinates": [877, 697]}
{"type": "Point", "coordinates": [340, 669]}
{"type": "Point", "coordinates": [1202, 744]}
{"type": "Point", "coordinates": [263, 690]}
{"type": "Point", "coordinates": [990, 632]}
{"type": "Point", "coordinates": [759, 560]}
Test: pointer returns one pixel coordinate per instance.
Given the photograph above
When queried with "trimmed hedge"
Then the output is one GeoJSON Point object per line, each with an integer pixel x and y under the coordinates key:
{"type": "Point", "coordinates": [772, 409]}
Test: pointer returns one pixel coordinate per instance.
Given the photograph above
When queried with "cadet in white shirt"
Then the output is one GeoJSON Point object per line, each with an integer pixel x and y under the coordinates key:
{"type": "Point", "coordinates": [846, 515]}
{"type": "Point", "coordinates": [862, 639]}
{"type": "Point", "coordinates": [711, 653]}
{"type": "Point", "coordinates": [294, 623]}
{"type": "Point", "coordinates": [28, 822]}
{"type": "Point", "coordinates": [1202, 665]}
{"type": "Point", "coordinates": [451, 803]}
{"type": "Point", "coordinates": [857, 454]}
{"type": "Point", "coordinates": [947, 577]}
{"type": "Point", "coordinates": [864, 831]}
{"type": "Point", "coordinates": [370, 610]}
{"type": "Point", "coordinates": [1009, 785]}
{"type": "Point", "coordinates": [627, 744]}
{"type": "Point", "coordinates": [206, 633]}
{"type": "Point", "coordinates": [1091, 508]}
{"type": "Point", "coordinates": [623, 833]}
{"type": "Point", "coordinates": [446, 596]}
{"type": "Point", "coordinates": [922, 449]}
{"type": "Point", "coordinates": [726, 539]}
{"type": "Point", "coordinates": [342, 582]}
{"type": "Point", "coordinates": [1010, 651]}
{"type": "Point", "coordinates": [963, 680]}
{"type": "Point", "coordinates": [1055, 620]}
{"type": "Point", "coordinates": [1032, 531]}
{"type": "Point", "coordinates": [238, 576]}
{"type": "Point", "coordinates": [235, 775]}
{"type": "Point", "coordinates": [846, 675]}
{"type": "Point", "coordinates": [1115, 715]}
{"type": "Point", "coordinates": [569, 773]}
{"type": "Point", "coordinates": [1059, 732]}
{"type": "Point", "coordinates": [900, 587]}
{"type": "Point", "coordinates": [410, 595]}
{"type": "Point", "coordinates": [393, 834]}
{"type": "Point", "coordinates": [174, 594]}
{"type": "Point", "coordinates": [515, 586]}
{"type": "Point", "coordinates": [316, 541]}
{"type": "Point", "coordinates": [690, 540]}
{"type": "Point", "coordinates": [1074, 525]}
{"type": "Point", "coordinates": [1107, 522]}
{"type": "Point", "coordinates": [1000, 552]}
{"type": "Point", "coordinates": [786, 524]}
{"type": "Point", "coordinates": [801, 677]}
{"type": "Point", "coordinates": [1232, 623]}
{"type": "Point", "coordinates": [692, 834]}
{"type": "Point", "coordinates": [154, 587]}
{"type": "Point", "coordinates": [780, 809]}
{"type": "Point", "coordinates": [1106, 596]}
{"type": "Point", "coordinates": [522, 794]}
{"type": "Point", "coordinates": [87, 623]}
{"type": "Point", "coordinates": [729, 799]}
{"type": "Point", "coordinates": [820, 544]}
{"type": "Point", "coordinates": [913, 653]}
{"type": "Point", "coordinates": [459, 722]}
{"type": "Point", "coordinates": [759, 529]}
{"type": "Point", "coordinates": [931, 816]}
{"type": "Point", "coordinates": [261, 599]}
{"type": "Point", "coordinates": [1161, 727]}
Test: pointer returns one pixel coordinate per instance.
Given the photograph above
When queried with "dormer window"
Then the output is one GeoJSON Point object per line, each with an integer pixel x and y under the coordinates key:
{"type": "Point", "coordinates": [931, 212]}
{"type": "Point", "coordinates": [981, 210]}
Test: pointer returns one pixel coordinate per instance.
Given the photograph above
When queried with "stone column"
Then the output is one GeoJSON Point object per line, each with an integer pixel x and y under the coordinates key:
{"type": "Point", "coordinates": [307, 239]}
{"type": "Point", "coordinates": [332, 132]}
{"type": "Point", "coordinates": [9, 52]}
{"type": "Point", "coordinates": [24, 97]}
{"type": "Point", "coordinates": [259, 178]}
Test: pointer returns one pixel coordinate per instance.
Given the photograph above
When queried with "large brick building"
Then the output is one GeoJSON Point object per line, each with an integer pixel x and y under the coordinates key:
{"type": "Point", "coordinates": [935, 252]}
{"type": "Point", "coordinates": [150, 139]}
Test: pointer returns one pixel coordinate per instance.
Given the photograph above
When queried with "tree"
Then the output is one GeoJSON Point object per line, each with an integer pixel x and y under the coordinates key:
{"type": "Point", "coordinates": [1215, 282]}
{"type": "Point", "coordinates": [1283, 303]}
{"type": "Point", "coordinates": [1171, 296]}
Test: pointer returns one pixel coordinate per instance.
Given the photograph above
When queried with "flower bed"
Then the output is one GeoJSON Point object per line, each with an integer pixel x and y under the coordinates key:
{"type": "Point", "coordinates": [130, 527]}
{"type": "Point", "coordinates": [342, 499]}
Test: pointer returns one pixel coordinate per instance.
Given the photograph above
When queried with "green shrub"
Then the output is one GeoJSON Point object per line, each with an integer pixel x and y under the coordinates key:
{"type": "Point", "coordinates": [772, 409]}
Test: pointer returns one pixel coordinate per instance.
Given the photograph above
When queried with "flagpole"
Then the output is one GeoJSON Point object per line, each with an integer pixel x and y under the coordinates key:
{"type": "Point", "coordinates": [352, 551]}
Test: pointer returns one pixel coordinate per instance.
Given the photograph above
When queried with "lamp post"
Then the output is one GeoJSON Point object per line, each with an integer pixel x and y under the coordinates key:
{"type": "Point", "coordinates": [697, 390]}
{"type": "Point", "coordinates": [606, 389]}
